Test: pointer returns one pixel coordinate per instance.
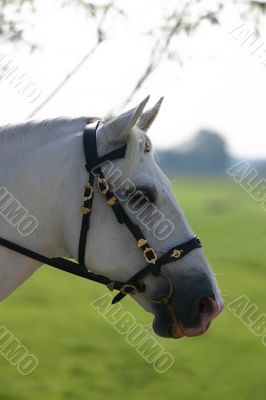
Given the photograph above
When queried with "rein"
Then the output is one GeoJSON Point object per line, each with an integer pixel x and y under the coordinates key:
{"type": "Point", "coordinates": [154, 264]}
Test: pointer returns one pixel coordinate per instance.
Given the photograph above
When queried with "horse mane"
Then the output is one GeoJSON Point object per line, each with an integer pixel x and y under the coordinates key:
{"type": "Point", "coordinates": [16, 140]}
{"type": "Point", "coordinates": [30, 134]}
{"type": "Point", "coordinates": [45, 127]}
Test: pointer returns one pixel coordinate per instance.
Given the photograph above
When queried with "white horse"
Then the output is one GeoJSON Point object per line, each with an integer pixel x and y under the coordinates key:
{"type": "Point", "coordinates": [42, 173]}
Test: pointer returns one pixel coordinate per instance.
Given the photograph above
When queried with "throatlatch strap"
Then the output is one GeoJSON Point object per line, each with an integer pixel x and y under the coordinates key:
{"type": "Point", "coordinates": [62, 264]}
{"type": "Point", "coordinates": [59, 263]}
{"type": "Point", "coordinates": [86, 215]}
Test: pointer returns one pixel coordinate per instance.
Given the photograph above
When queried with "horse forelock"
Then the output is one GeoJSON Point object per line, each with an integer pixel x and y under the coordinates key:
{"type": "Point", "coordinates": [136, 143]}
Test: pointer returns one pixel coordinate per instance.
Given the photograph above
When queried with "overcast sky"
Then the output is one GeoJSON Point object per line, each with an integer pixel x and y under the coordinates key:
{"type": "Point", "coordinates": [219, 86]}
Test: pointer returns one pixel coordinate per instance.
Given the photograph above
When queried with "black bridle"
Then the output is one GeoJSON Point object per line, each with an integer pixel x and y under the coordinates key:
{"type": "Point", "coordinates": [154, 264]}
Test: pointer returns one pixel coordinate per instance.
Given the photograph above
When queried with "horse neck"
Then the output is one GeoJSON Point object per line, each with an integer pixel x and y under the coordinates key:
{"type": "Point", "coordinates": [44, 175]}
{"type": "Point", "coordinates": [19, 140]}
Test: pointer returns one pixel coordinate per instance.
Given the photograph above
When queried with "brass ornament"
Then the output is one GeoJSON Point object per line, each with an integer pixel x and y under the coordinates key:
{"type": "Point", "coordinates": [111, 201]}
{"type": "Point", "coordinates": [85, 210]}
{"type": "Point", "coordinates": [176, 254]}
{"type": "Point", "coordinates": [150, 260]}
{"type": "Point", "coordinates": [90, 195]}
{"type": "Point", "coordinates": [142, 242]}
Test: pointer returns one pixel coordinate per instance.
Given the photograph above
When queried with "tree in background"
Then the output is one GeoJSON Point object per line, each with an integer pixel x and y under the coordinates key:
{"type": "Point", "coordinates": [180, 17]}
{"type": "Point", "coordinates": [11, 26]}
{"type": "Point", "coordinates": [208, 151]}
{"type": "Point", "coordinates": [205, 153]}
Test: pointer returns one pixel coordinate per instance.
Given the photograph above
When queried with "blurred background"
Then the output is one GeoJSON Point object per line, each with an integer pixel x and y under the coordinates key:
{"type": "Point", "coordinates": [208, 59]}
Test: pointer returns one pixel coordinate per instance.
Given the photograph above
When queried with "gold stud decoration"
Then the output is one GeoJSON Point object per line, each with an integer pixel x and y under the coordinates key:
{"type": "Point", "coordinates": [111, 201]}
{"type": "Point", "coordinates": [142, 242]}
{"type": "Point", "coordinates": [85, 210]}
{"type": "Point", "coordinates": [176, 254]}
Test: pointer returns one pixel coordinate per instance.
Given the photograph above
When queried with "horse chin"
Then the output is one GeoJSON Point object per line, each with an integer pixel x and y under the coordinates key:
{"type": "Point", "coordinates": [173, 331]}
{"type": "Point", "coordinates": [166, 325]}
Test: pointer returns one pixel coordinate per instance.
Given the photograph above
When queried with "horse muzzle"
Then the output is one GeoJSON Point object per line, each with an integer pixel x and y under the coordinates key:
{"type": "Point", "coordinates": [189, 312]}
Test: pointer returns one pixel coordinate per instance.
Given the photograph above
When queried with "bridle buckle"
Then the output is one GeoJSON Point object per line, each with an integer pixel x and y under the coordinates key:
{"type": "Point", "coordinates": [150, 255]}
{"type": "Point", "coordinates": [88, 187]}
{"type": "Point", "coordinates": [128, 289]}
{"type": "Point", "coordinates": [110, 286]}
{"type": "Point", "coordinates": [102, 185]}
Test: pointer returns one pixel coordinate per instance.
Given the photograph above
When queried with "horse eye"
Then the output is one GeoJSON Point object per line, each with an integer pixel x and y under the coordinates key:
{"type": "Point", "coordinates": [138, 200]}
{"type": "Point", "coordinates": [147, 146]}
{"type": "Point", "coordinates": [142, 195]}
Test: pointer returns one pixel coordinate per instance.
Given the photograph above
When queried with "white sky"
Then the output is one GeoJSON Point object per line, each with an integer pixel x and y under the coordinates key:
{"type": "Point", "coordinates": [220, 85]}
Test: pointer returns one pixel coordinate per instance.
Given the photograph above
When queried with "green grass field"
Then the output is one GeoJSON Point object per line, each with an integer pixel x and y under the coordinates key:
{"type": "Point", "coordinates": [82, 357]}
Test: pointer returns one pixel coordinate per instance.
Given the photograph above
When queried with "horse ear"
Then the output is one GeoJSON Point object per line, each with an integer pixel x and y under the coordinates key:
{"type": "Point", "coordinates": [118, 128]}
{"type": "Point", "coordinates": [149, 116]}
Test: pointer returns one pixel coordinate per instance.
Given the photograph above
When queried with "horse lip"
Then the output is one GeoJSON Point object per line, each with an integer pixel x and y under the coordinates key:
{"type": "Point", "coordinates": [165, 323]}
{"type": "Point", "coordinates": [177, 330]}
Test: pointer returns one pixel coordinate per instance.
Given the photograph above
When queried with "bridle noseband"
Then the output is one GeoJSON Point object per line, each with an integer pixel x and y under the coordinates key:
{"type": "Point", "coordinates": [154, 264]}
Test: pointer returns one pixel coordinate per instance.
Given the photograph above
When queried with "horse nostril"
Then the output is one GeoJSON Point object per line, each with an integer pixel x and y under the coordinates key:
{"type": "Point", "coordinates": [208, 307]}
